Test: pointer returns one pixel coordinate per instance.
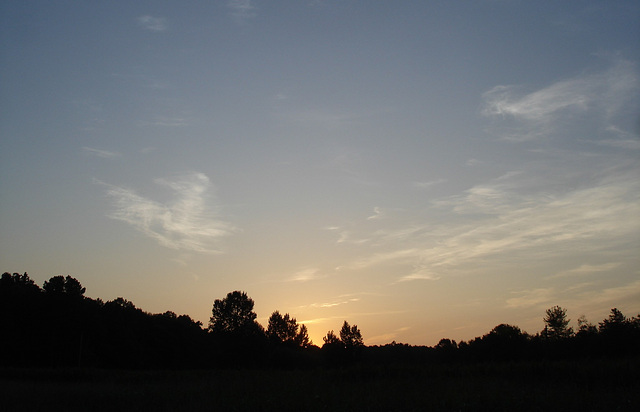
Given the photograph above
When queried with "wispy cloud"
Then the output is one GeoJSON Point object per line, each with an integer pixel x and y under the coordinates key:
{"type": "Point", "coordinates": [541, 105]}
{"type": "Point", "coordinates": [586, 294]}
{"type": "Point", "coordinates": [142, 80]}
{"type": "Point", "coordinates": [336, 301]}
{"type": "Point", "coordinates": [104, 154]}
{"type": "Point", "coordinates": [427, 184]}
{"type": "Point", "coordinates": [317, 320]}
{"type": "Point", "coordinates": [242, 9]}
{"type": "Point", "coordinates": [280, 97]}
{"type": "Point", "coordinates": [166, 121]}
{"type": "Point", "coordinates": [318, 118]}
{"type": "Point", "coordinates": [183, 224]}
{"type": "Point", "coordinates": [596, 95]}
{"type": "Point", "coordinates": [586, 269]}
{"type": "Point", "coordinates": [396, 256]}
{"type": "Point", "coordinates": [151, 23]}
{"type": "Point", "coordinates": [351, 165]}
{"type": "Point", "coordinates": [305, 275]}
{"type": "Point", "coordinates": [473, 162]}
{"type": "Point", "coordinates": [629, 292]}
{"type": "Point", "coordinates": [333, 303]}
{"type": "Point", "coordinates": [387, 337]}
{"type": "Point", "coordinates": [585, 218]}
{"type": "Point", "coordinates": [345, 236]}
{"type": "Point", "coordinates": [505, 218]}
{"type": "Point", "coordinates": [378, 213]}
{"type": "Point", "coordinates": [529, 298]}
{"type": "Point", "coordinates": [332, 228]}
{"type": "Point", "coordinates": [419, 275]}
{"type": "Point", "coordinates": [625, 144]}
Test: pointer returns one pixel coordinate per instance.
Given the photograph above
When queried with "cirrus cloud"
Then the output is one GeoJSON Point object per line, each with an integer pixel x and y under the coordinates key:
{"type": "Point", "coordinates": [104, 154]}
{"type": "Point", "coordinates": [599, 97]}
{"type": "Point", "coordinates": [185, 223]}
{"type": "Point", "coordinates": [151, 23]}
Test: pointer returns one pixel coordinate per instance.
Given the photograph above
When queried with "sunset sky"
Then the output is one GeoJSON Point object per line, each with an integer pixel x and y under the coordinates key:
{"type": "Point", "coordinates": [423, 169]}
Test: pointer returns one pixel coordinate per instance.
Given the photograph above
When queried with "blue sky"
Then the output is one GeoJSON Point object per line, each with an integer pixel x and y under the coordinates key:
{"type": "Point", "coordinates": [421, 169]}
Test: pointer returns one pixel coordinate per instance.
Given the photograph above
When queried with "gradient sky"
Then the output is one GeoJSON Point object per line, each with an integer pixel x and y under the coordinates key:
{"type": "Point", "coordinates": [423, 169]}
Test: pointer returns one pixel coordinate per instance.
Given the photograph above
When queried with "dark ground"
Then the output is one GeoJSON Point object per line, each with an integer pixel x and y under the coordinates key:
{"type": "Point", "coordinates": [596, 385]}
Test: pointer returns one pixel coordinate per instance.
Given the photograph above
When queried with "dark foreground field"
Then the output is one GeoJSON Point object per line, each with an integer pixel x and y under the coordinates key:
{"type": "Point", "coordinates": [603, 385]}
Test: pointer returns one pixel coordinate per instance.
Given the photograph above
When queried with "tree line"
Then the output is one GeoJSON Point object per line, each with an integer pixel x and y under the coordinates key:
{"type": "Point", "coordinates": [616, 336]}
{"type": "Point", "coordinates": [58, 326]}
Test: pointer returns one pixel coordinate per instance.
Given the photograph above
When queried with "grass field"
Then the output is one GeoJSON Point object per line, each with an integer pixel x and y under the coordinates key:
{"type": "Point", "coordinates": [602, 385]}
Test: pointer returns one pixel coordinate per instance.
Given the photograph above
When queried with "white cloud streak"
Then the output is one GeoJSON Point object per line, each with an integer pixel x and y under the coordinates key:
{"type": "Point", "coordinates": [151, 23]}
{"type": "Point", "coordinates": [333, 303]}
{"type": "Point", "coordinates": [378, 213]}
{"type": "Point", "coordinates": [242, 9]}
{"type": "Point", "coordinates": [505, 221]}
{"type": "Point", "coordinates": [387, 337]}
{"type": "Point", "coordinates": [305, 275]}
{"type": "Point", "coordinates": [336, 301]}
{"type": "Point", "coordinates": [104, 154]}
{"type": "Point", "coordinates": [419, 275]}
{"type": "Point", "coordinates": [540, 112]}
{"type": "Point", "coordinates": [615, 295]}
{"type": "Point", "coordinates": [586, 269]}
{"type": "Point", "coordinates": [625, 144]}
{"type": "Point", "coordinates": [603, 297]}
{"type": "Point", "coordinates": [531, 298]}
{"type": "Point", "coordinates": [603, 212]}
{"type": "Point", "coordinates": [428, 184]}
{"type": "Point", "coordinates": [165, 121]}
{"type": "Point", "coordinates": [533, 212]}
{"type": "Point", "coordinates": [183, 224]}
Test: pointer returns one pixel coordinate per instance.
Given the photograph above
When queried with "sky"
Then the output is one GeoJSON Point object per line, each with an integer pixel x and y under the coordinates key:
{"type": "Point", "coordinates": [423, 170]}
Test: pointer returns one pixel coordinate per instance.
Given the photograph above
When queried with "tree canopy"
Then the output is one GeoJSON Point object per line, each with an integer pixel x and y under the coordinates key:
{"type": "Point", "coordinates": [285, 330]}
{"type": "Point", "coordinates": [556, 323]}
{"type": "Point", "coordinates": [331, 339]}
{"type": "Point", "coordinates": [60, 285]}
{"type": "Point", "coordinates": [233, 314]}
{"type": "Point", "coordinates": [351, 336]}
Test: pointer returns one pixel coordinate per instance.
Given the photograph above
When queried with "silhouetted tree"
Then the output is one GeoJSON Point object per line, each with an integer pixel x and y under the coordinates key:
{"type": "Point", "coordinates": [586, 327]}
{"type": "Point", "coordinates": [120, 302]}
{"type": "Point", "coordinates": [446, 344]}
{"type": "Point", "coordinates": [351, 336]}
{"type": "Point", "coordinates": [55, 285]}
{"type": "Point", "coordinates": [302, 338]}
{"type": "Point", "coordinates": [619, 334]}
{"type": "Point", "coordinates": [10, 283]}
{"type": "Point", "coordinates": [233, 314]}
{"type": "Point", "coordinates": [282, 329]}
{"type": "Point", "coordinates": [331, 339]}
{"type": "Point", "coordinates": [237, 337]}
{"type": "Point", "coordinates": [59, 285]}
{"type": "Point", "coordinates": [616, 322]}
{"type": "Point", "coordinates": [59, 326]}
{"type": "Point", "coordinates": [65, 320]}
{"type": "Point", "coordinates": [346, 348]}
{"type": "Point", "coordinates": [503, 342]}
{"type": "Point", "coordinates": [505, 332]}
{"type": "Point", "coordinates": [556, 323]}
{"type": "Point", "coordinates": [446, 349]}
{"type": "Point", "coordinates": [169, 315]}
{"type": "Point", "coordinates": [20, 320]}
{"type": "Point", "coordinates": [333, 350]}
